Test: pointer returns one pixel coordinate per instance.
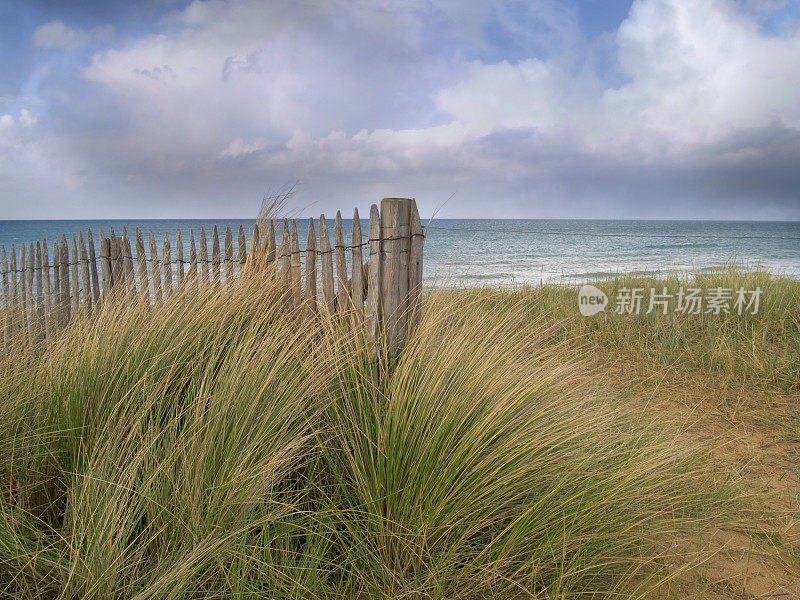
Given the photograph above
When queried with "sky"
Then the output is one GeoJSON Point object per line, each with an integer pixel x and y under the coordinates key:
{"type": "Point", "coordinates": [657, 109]}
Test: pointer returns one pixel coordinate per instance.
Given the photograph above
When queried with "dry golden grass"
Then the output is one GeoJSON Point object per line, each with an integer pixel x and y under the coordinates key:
{"type": "Point", "coordinates": [216, 446]}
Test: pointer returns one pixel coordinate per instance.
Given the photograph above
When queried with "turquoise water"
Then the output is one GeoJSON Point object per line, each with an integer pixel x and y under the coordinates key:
{"type": "Point", "coordinates": [492, 252]}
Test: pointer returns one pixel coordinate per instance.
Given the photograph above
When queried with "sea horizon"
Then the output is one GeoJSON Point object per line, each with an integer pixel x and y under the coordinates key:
{"type": "Point", "coordinates": [517, 251]}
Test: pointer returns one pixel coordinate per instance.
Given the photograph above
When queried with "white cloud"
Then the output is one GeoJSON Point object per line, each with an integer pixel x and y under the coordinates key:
{"type": "Point", "coordinates": [238, 148]}
{"type": "Point", "coordinates": [27, 118]}
{"type": "Point", "coordinates": [697, 72]}
{"type": "Point", "coordinates": [55, 34]}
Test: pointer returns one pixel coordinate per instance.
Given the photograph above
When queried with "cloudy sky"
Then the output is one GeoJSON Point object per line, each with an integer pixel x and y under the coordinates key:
{"type": "Point", "coordinates": [539, 109]}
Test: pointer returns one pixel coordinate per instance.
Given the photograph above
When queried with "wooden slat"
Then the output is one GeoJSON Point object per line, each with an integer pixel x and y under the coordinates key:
{"type": "Point", "coordinates": [156, 268]}
{"type": "Point", "coordinates": [342, 294]}
{"type": "Point", "coordinates": [116, 264]}
{"type": "Point", "coordinates": [48, 333]}
{"type": "Point", "coordinates": [141, 259]}
{"type": "Point", "coordinates": [13, 274]}
{"type": "Point", "coordinates": [311, 269]}
{"type": "Point", "coordinates": [105, 264]}
{"type": "Point", "coordinates": [4, 275]}
{"type": "Point", "coordinates": [85, 276]}
{"type": "Point", "coordinates": [270, 238]}
{"type": "Point", "coordinates": [395, 236]}
{"type": "Point", "coordinates": [6, 295]}
{"type": "Point", "coordinates": [297, 283]}
{"type": "Point", "coordinates": [15, 291]}
{"type": "Point", "coordinates": [166, 261]}
{"type": "Point", "coordinates": [242, 248]}
{"type": "Point", "coordinates": [215, 274]}
{"type": "Point", "coordinates": [268, 257]}
{"type": "Point", "coordinates": [284, 259]}
{"type": "Point", "coordinates": [373, 277]}
{"type": "Point", "coordinates": [127, 262]}
{"type": "Point", "coordinates": [76, 291]}
{"type": "Point", "coordinates": [255, 244]}
{"type": "Point", "coordinates": [326, 258]}
{"type": "Point", "coordinates": [192, 277]}
{"type": "Point", "coordinates": [39, 298]}
{"type": "Point", "coordinates": [228, 255]}
{"type": "Point", "coordinates": [6, 290]}
{"type": "Point", "coordinates": [64, 312]}
{"type": "Point", "coordinates": [30, 312]}
{"type": "Point", "coordinates": [180, 264]}
{"type": "Point", "coordinates": [357, 280]}
{"type": "Point", "coordinates": [415, 269]}
{"type": "Point", "coordinates": [56, 286]}
{"type": "Point", "coordinates": [93, 269]}
{"type": "Point", "coordinates": [23, 304]}
{"type": "Point", "coordinates": [204, 266]}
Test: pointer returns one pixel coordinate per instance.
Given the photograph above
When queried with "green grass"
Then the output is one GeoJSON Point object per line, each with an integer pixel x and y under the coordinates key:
{"type": "Point", "coordinates": [221, 448]}
{"type": "Point", "coordinates": [761, 349]}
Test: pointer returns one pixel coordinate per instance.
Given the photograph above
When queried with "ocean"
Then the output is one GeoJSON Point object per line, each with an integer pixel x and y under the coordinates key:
{"type": "Point", "coordinates": [507, 252]}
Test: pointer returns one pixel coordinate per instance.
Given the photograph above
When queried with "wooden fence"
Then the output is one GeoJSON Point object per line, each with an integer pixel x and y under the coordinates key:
{"type": "Point", "coordinates": [40, 292]}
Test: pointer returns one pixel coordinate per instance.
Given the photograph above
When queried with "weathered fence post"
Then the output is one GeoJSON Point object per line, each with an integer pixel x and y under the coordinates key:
{"type": "Point", "coordinates": [64, 275]}
{"type": "Point", "coordinates": [39, 302]}
{"type": "Point", "coordinates": [215, 256]}
{"type": "Point", "coordinates": [284, 260]}
{"type": "Point", "coordinates": [47, 291]}
{"type": "Point", "coordinates": [373, 277]}
{"type": "Point", "coordinates": [357, 278]}
{"type": "Point", "coordinates": [144, 285]}
{"type": "Point", "coordinates": [342, 296]}
{"type": "Point", "coordinates": [326, 259]}
{"type": "Point", "coordinates": [56, 286]}
{"type": "Point", "coordinates": [204, 266]}
{"type": "Point", "coordinates": [311, 269]}
{"type": "Point", "coordinates": [6, 295]}
{"type": "Point", "coordinates": [228, 255]}
{"type": "Point", "coordinates": [76, 286]}
{"type": "Point", "coordinates": [30, 314]}
{"type": "Point", "coordinates": [86, 277]}
{"type": "Point", "coordinates": [93, 265]}
{"type": "Point", "coordinates": [395, 247]}
{"type": "Point", "coordinates": [415, 269]}
{"type": "Point", "coordinates": [156, 268]}
{"type": "Point", "coordinates": [23, 292]}
{"type": "Point", "coordinates": [127, 263]}
{"type": "Point", "coordinates": [270, 242]}
{"type": "Point", "coordinates": [180, 264]}
{"type": "Point", "coordinates": [167, 262]}
{"type": "Point", "coordinates": [105, 265]}
{"type": "Point", "coordinates": [297, 276]}
{"type": "Point", "coordinates": [255, 244]}
{"type": "Point", "coordinates": [192, 276]}
{"type": "Point", "coordinates": [115, 249]}
{"type": "Point", "coordinates": [242, 249]}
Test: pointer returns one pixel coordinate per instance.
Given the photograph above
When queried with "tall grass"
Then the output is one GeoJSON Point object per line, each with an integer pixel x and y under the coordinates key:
{"type": "Point", "coordinates": [218, 447]}
{"type": "Point", "coordinates": [741, 350]}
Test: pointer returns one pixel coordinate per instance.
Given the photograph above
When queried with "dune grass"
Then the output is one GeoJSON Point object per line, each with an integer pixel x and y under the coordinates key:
{"type": "Point", "coordinates": [218, 447]}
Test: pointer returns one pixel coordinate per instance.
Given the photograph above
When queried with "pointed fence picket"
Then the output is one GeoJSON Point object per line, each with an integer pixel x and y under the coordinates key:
{"type": "Point", "coordinates": [42, 292]}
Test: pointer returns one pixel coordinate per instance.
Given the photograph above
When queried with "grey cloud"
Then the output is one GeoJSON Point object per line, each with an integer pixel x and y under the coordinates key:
{"type": "Point", "coordinates": [359, 101]}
